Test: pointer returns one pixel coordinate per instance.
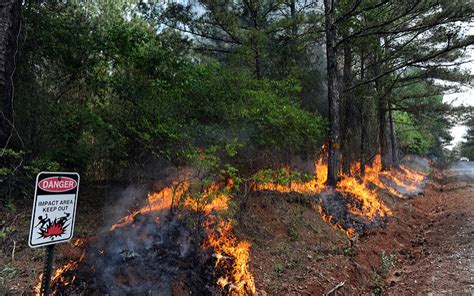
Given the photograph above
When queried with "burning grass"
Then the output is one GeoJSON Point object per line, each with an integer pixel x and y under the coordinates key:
{"type": "Point", "coordinates": [58, 276]}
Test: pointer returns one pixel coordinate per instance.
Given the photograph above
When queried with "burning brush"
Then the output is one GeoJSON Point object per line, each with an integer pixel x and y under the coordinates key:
{"type": "Point", "coordinates": [355, 203]}
{"type": "Point", "coordinates": [154, 251]}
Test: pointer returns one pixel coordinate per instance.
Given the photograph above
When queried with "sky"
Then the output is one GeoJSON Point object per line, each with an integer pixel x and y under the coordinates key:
{"type": "Point", "coordinates": [466, 97]}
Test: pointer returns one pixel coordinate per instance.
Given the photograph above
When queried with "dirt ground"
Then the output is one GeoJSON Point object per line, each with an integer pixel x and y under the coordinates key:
{"type": "Point", "coordinates": [427, 247]}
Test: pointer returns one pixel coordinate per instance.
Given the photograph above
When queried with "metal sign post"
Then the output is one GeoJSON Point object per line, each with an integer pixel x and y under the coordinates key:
{"type": "Point", "coordinates": [53, 216]}
{"type": "Point", "coordinates": [48, 267]}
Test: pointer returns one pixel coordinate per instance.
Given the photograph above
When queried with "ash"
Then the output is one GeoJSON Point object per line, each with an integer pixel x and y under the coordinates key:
{"type": "Point", "coordinates": [144, 257]}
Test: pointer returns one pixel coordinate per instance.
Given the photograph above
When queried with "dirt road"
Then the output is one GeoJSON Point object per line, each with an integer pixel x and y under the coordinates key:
{"type": "Point", "coordinates": [440, 261]}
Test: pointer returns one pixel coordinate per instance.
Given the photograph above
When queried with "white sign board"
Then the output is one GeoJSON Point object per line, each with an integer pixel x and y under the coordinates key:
{"type": "Point", "coordinates": [54, 208]}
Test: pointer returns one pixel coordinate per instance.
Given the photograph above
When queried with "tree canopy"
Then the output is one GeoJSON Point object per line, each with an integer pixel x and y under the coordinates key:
{"type": "Point", "coordinates": [120, 91]}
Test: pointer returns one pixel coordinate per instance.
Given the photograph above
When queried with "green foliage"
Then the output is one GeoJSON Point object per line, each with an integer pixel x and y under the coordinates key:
{"type": "Point", "coordinates": [467, 146]}
{"type": "Point", "coordinates": [280, 176]}
{"type": "Point", "coordinates": [279, 269]}
{"type": "Point", "coordinates": [100, 92]}
{"type": "Point", "coordinates": [108, 89]}
{"type": "Point", "coordinates": [280, 123]}
{"type": "Point", "coordinates": [412, 139]}
{"type": "Point", "coordinates": [387, 263]}
{"type": "Point", "coordinates": [8, 273]}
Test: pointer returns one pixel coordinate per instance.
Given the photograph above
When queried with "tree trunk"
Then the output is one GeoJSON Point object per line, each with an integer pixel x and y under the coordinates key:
{"type": "Point", "coordinates": [383, 139]}
{"type": "Point", "coordinates": [363, 132]}
{"type": "Point", "coordinates": [255, 12]}
{"type": "Point", "coordinates": [385, 149]}
{"type": "Point", "coordinates": [10, 17]}
{"type": "Point", "coordinates": [333, 93]}
{"type": "Point", "coordinates": [347, 122]}
{"type": "Point", "coordinates": [393, 140]}
{"type": "Point", "coordinates": [362, 113]}
{"type": "Point", "coordinates": [294, 27]}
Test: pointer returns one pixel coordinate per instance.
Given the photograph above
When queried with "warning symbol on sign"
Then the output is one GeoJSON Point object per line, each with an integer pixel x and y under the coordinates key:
{"type": "Point", "coordinates": [54, 208]}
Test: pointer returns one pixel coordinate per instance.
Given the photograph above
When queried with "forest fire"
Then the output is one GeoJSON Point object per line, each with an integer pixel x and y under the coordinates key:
{"type": "Point", "coordinates": [157, 237]}
{"type": "Point", "coordinates": [240, 281]}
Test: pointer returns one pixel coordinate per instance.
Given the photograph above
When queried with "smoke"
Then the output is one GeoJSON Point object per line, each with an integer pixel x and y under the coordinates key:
{"type": "Point", "coordinates": [335, 206]}
{"type": "Point", "coordinates": [123, 200]}
{"type": "Point", "coordinates": [305, 166]}
{"type": "Point", "coordinates": [155, 253]}
{"type": "Point", "coordinates": [463, 170]}
{"type": "Point", "coordinates": [416, 163]}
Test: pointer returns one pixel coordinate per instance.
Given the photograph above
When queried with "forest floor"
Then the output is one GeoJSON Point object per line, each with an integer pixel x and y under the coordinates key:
{"type": "Point", "coordinates": [426, 248]}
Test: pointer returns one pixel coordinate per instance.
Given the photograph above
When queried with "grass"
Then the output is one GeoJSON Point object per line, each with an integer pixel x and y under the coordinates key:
{"type": "Point", "coordinates": [387, 263]}
{"type": "Point", "coordinates": [8, 273]}
{"type": "Point", "coordinates": [279, 269]}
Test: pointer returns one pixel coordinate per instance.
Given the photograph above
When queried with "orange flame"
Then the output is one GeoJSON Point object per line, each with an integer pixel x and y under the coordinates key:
{"type": "Point", "coordinates": [156, 202]}
{"type": "Point", "coordinates": [57, 276]}
{"type": "Point", "coordinates": [357, 187]}
{"type": "Point", "coordinates": [350, 232]}
{"type": "Point", "coordinates": [227, 248]}
{"type": "Point", "coordinates": [237, 279]}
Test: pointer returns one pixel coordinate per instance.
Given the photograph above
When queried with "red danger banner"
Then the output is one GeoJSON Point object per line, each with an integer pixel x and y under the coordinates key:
{"type": "Point", "coordinates": [57, 184]}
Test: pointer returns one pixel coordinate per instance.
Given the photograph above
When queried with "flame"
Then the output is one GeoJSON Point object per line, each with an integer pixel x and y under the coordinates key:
{"type": "Point", "coordinates": [405, 179]}
{"type": "Point", "coordinates": [237, 278]}
{"type": "Point", "coordinates": [350, 232]}
{"type": "Point", "coordinates": [58, 276]}
{"type": "Point", "coordinates": [358, 187]}
{"type": "Point", "coordinates": [371, 204]}
{"type": "Point", "coordinates": [412, 175]}
{"type": "Point", "coordinates": [156, 202]}
{"type": "Point", "coordinates": [79, 242]}
{"type": "Point", "coordinates": [230, 252]}
{"type": "Point", "coordinates": [231, 255]}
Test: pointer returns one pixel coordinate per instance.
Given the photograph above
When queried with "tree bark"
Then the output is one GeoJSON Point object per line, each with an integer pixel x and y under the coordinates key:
{"type": "Point", "coordinates": [385, 149]}
{"type": "Point", "coordinates": [294, 27]}
{"type": "Point", "coordinates": [255, 13]}
{"type": "Point", "coordinates": [393, 140]}
{"type": "Point", "coordinates": [333, 93]}
{"type": "Point", "coordinates": [10, 17]}
{"type": "Point", "coordinates": [383, 139]}
{"type": "Point", "coordinates": [348, 116]}
{"type": "Point", "coordinates": [362, 114]}
{"type": "Point", "coordinates": [363, 133]}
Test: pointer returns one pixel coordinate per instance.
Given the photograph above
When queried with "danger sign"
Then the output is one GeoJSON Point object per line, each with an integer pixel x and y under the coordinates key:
{"type": "Point", "coordinates": [54, 208]}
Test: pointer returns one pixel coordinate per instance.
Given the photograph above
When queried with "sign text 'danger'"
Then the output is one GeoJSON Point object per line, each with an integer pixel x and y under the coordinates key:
{"type": "Point", "coordinates": [57, 184]}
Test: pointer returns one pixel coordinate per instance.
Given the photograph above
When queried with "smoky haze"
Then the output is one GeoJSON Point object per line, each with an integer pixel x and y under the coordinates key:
{"type": "Point", "coordinates": [463, 170]}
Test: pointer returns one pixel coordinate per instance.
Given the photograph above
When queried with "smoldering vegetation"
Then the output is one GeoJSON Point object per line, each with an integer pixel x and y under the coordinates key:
{"type": "Point", "coordinates": [153, 255]}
